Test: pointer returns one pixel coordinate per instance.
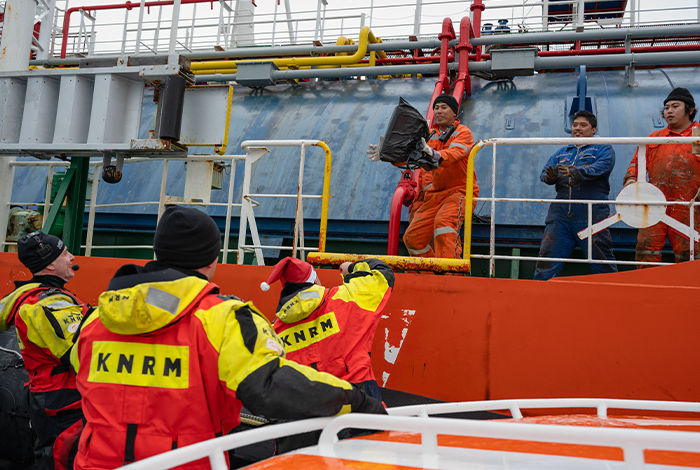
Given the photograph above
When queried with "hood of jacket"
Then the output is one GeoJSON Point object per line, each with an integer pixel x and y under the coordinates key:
{"type": "Point", "coordinates": [147, 307]}
{"type": "Point", "coordinates": [7, 304]}
{"type": "Point", "coordinates": [301, 304]}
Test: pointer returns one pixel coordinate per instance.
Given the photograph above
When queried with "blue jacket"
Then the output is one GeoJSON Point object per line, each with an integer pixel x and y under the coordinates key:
{"type": "Point", "coordinates": [592, 167]}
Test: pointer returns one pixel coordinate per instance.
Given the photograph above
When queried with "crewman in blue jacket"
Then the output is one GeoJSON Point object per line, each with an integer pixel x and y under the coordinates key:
{"type": "Point", "coordinates": [578, 172]}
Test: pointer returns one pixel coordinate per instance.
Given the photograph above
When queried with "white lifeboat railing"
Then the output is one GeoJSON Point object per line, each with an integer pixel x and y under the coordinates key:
{"type": "Point", "coordinates": [633, 442]}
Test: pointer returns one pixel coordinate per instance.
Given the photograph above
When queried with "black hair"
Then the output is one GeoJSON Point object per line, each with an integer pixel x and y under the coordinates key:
{"type": "Point", "coordinates": [590, 117]}
{"type": "Point", "coordinates": [687, 111]}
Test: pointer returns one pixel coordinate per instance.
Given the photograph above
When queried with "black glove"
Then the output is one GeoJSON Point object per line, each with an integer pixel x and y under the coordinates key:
{"type": "Point", "coordinates": [551, 175]}
{"type": "Point", "coordinates": [364, 404]}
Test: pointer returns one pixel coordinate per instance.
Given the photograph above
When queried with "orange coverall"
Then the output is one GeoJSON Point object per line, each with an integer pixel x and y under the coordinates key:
{"type": "Point", "coordinates": [676, 172]}
{"type": "Point", "coordinates": [440, 216]}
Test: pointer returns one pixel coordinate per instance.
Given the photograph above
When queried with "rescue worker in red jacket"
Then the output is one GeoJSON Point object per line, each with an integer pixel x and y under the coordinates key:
{"type": "Point", "coordinates": [440, 216]}
{"type": "Point", "coordinates": [166, 361]}
{"type": "Point", "coordinates": [46, 316]}
{"type": "Point", "coordinates": [332, 330]}
{"type": "Point", "coordinates": [676, 172]}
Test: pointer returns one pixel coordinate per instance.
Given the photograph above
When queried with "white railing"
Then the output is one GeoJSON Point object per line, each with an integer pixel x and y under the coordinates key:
{"type": "Point", "coordinates": [254, 151]}
{"type": "Point", "coordinates": [201, 28]}
{"type": "Point", "coordinates": [641, 142]}
{"type": "Point", "coordinates": [633, 442]}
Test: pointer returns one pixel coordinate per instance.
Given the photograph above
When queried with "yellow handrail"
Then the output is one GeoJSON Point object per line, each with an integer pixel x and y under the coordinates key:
{"type": "Point", "coordinates": [405, 263]}
{"type": "Point", "coordinates": [469, 202]}
{"type": "Point", "coordinates": [229, 66]}
{"type": "Point", "coordinates": [326, 195]}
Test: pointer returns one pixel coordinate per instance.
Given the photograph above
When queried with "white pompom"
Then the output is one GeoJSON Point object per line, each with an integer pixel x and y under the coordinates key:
{"type": "Point", "coordinates": [265, 287]}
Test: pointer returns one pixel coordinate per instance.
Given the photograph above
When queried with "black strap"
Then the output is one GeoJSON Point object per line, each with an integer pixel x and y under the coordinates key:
{"type": "Point", "coordinates": [130, 440]}
{"type": "Point", "coordinates": [60, 369]}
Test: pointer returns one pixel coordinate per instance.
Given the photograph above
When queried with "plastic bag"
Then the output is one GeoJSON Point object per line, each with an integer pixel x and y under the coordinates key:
{"type": "Point", "coordinates": [402, 143]}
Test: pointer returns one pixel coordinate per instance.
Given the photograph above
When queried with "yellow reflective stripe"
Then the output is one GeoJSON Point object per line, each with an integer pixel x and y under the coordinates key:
{"type": "Point", "coordinates": [457, 144]}
{"type": "Point", "coordinates": [139, 364]}
{"type": "Point", "coordinates": [308, 333]}
{"type": "Point", "coordinates": [418, 252]}
{"type": "Point", "coordinates": [74, 357]}
{"type": "Point", "coordinates": [366, 291]}
{"type": "Point", "coordinates": [443, 231]}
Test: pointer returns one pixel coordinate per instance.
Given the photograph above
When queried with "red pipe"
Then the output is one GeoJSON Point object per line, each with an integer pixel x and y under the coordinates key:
{"type": "Point", "coordinates": [403, 194]}
{"type": "Point", "coordinates": [463, 49]}
{"type": "Point", "coordinates": [443, 83]}
{"type": "Point", "coordinates": [620, 50]}
{"type": "Point", "coordinates": [128, 6]}
{"type": "Point", "coordinates": [477, 7]}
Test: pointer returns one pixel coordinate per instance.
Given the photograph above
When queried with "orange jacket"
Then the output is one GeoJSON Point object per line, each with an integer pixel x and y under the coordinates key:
{"type": "Point", "coordinates": [671, 167]}
{"type": "Point", "coordinates": [168, 363]}
{"type": "Point", "coordinates": [452, 172]}
{"type": "Point", "coordinates": [332, 330]}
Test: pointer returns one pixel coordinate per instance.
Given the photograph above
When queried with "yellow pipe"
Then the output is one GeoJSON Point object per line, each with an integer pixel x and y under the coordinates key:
{"type": "Point", "coordinates": [467, 252]}
{"type": "Point", "coordinates": [224, 144]}
{"type": "Point", "coordinates": [218, 66]}
{"type": "Point", "coordinates": [405, 263]}
{"type": "Point", "coordinates": [326, 195]}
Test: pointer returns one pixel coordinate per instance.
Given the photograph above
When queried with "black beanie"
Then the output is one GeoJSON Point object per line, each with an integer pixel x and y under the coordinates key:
{"type": "Point", "coordinates": [186, 238]}
{"type": "Point", "coordinates": [680, 94]}
{"type": "Point", "coordinates": [38, 250]}
{"type": "Point", "coordinates": [449, 100]}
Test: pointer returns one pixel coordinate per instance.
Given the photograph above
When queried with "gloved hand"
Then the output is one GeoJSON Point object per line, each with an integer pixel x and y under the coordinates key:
{"type": "Point", "coordinates": [551, 176]}
{"type": "Point", "coordinates": [364, 404]}
{"type": "Point", "coordinates": [566, 171]}
{"type": "Point", "coordinates": [430, 151]}
{"type": "Point", "coordinates": [632, 181]}
{"type": "Point", "coordinates": [375, 150]}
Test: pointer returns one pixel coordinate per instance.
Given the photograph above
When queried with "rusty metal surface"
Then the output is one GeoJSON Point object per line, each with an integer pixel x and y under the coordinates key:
{"type": "Point", "coordinates": [403, 263]}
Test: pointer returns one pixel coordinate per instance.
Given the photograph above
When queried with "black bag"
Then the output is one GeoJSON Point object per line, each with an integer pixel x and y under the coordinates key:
{"type": "Point", "coordinates": [402, 139]}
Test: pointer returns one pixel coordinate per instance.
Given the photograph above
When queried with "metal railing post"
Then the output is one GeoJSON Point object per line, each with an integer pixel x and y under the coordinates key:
{"type": "Point", "coordinates": [140, 26]}
{"type": "Point", "coordinates": [174, 26]}
{"type": "Point", "coordinates": [300, 202]}
{"type": "Point", "coordinates": [7, 176]}
{"type": "Point", "coordinates": [126, 26]}
{"type": "Point", "coordinates": [492, 242]}
{"type": "Point", "coordinates": [227, 229]}
{"type": "Point", "coordinates": [691, 231]}
{"type": "Point", "coordinates": [93, 203]}
{"type": "Point", "coordinates": [590, 231]}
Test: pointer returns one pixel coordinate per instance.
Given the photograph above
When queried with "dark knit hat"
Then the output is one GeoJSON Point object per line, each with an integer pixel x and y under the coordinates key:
{"type": "Point", "coordinates": [449, 100]}
{"type": "Point", "coordinates": [186, 238]}
{"type": "Point", "coordinates": [38, 250]}
{"type": "Point", "coordinates": [680, 94]}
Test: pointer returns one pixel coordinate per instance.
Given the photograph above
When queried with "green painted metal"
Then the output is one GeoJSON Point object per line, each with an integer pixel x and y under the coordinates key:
{"type": "Point", "coordinates": [50, 220]}
{"type": "Point", "coordinates": [75, 204]}
{"type": "Point", "coordinates": [515, 265]}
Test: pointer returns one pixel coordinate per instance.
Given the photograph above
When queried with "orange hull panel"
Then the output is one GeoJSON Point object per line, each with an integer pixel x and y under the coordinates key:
{"type": "Point", "coordinates": [625, 335]}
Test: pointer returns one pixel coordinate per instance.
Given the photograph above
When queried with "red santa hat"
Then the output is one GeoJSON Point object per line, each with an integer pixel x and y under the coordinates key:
{"type": "Point", "coordinates": [290, 270]}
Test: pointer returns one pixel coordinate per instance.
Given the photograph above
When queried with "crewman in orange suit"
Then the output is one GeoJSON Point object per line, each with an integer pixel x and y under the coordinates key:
{"type": "Point", "coordinates": [440, 216]}
{"type": "Point", "coordinates": [676, 172]}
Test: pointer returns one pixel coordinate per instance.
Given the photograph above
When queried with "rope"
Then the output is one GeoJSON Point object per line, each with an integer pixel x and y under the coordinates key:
{"type": "Point", "coordinates": [11, 351]}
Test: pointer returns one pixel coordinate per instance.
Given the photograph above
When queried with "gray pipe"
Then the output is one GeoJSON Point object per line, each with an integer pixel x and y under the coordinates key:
{"type": "Point", "coordinates": [541, 63]}
{"type": "Point", "coordinates": [563, 36]}
{"type": "Point", "coordinates": [277, 51]}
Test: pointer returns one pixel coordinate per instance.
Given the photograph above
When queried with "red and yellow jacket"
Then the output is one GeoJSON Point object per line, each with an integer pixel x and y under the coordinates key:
{"type": "Point", "coordinates": [167, 363]}
{"type": "Point", "coordinates": [452, 172]}
{"type": "Point", "coordinates": [46, 319]}
{"type": "Point", "coordinates": [332, 329]}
